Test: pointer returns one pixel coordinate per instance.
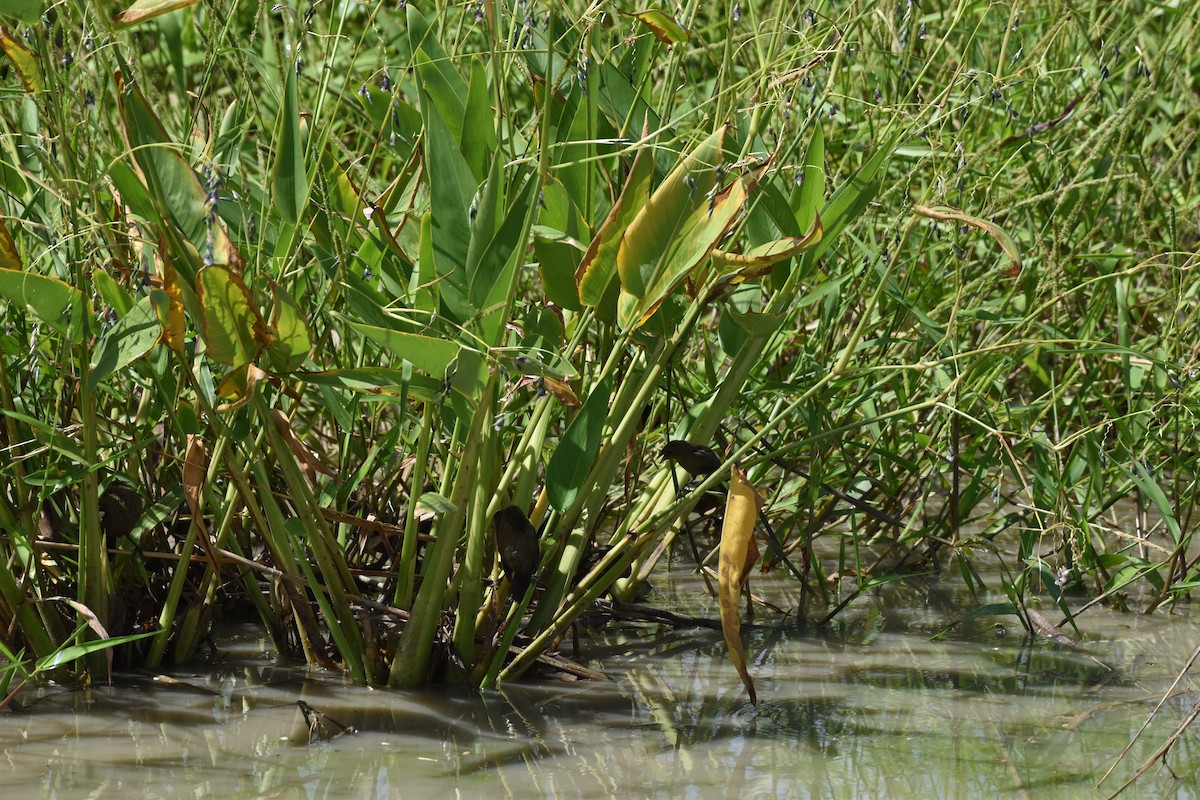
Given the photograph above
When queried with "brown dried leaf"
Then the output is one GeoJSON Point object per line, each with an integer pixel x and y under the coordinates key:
{"type": "Point", "coordinates": [308, 460]}
{"type": "Point", "coordinates": [739, 553]}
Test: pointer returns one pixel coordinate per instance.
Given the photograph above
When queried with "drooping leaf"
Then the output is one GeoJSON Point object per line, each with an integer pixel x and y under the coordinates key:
{"type": "Point", "coordinates": [1001, 236]}
{"type": "Point", "coordinates": [306, 458]}
{"type": "Point", "coordinates": [234, 331]}
{"type": "Point", "coordinates": [54, 302]}
{"type": "Point", "coordinates": [661, 24]}
{"type": "Point", "coordinates": [195, 471]}
{"type": "Point", "coordinates": [738, 554]}
{"type": "Point", "coordinates": [23, 60]}
{"type": "Point", "coordinates": [572, 459]}
{"type": "Point", "coordinates": [143, 10]}
{"type": "Point", "coordinates": [237, 387]}
{"type": "Point", "coordinates": [758, 260]}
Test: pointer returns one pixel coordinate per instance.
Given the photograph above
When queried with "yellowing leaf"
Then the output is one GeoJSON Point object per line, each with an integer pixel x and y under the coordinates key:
{"type": "Point", "coordinates": [308, 460]}
{"type": "Point", "coordinates": [653, 233]}
{"type": "Point", "coordinates": [661, 24]}
{"type": "Point", "coordinates": [170, 314]}
{"type": "Point", "coordinates": [10, 257]}
{"type": "Point", "coordinates": [234, 331]}
{"type": "Point", "coordinates": [759, 260]}
{"type": "Point", "coordinates": [707, 225]}
{"type": "Point", "coordinates": [599, 263]}
{"type": "Point", "coordinates": [23, 60]}
{"type": "Point", "coordinates": [739, 553]}
{"type": "Point", "coordinates": [148, 9]}
{"type": "Point", "coordinates": [290, 339]}
{"type": "Point", "coordinates": [947, 214]}
{"type": "Point", "coordinates": [238, 386]}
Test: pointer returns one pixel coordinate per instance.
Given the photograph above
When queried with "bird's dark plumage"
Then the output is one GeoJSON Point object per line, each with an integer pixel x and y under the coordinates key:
{"type": "Point", "coordinates": [120, 510]}
{"type": "Point", "coordinates": [517, 544]}
{"type": "Point", "coordinates": [695, 458]}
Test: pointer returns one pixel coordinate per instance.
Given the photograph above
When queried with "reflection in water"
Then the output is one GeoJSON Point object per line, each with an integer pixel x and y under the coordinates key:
{"type": "Point", "coordinates": [871, 706]}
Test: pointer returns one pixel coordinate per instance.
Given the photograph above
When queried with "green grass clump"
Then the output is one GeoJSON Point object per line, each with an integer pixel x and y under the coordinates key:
{"type": "Point", "coordinates": [330, 285]}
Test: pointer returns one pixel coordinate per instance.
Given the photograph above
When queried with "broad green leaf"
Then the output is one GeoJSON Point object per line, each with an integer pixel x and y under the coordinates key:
{"type": "Point", "coordinates": [378, 381]}
{"type": "Point", "coordinates": [558, 258]}
{"type": "Point", "coordinates": [599, 263]}
{"type": "Point", "coordinates": [488, 206]}
{"type": "Point", "coordinates": [622, 104]}
{"type": "Point", "coordinates": [492, 278]}
{"type": "Point", "coordinates": [291, 341]}
{"type": "Point", "coordinates": [452, 188]}
{"type": "Point", "coordinates": [738, 554]}
{"type": "Point", "coordinates": [143, 10]}
{"type": "Point", "coordinates": [1145, 481]}
{"type": "Point", "coordinates": [572, 459]}
{"type": "Point", "coordinates": [234, 331]}
{"type": "Point", "coordinates": [117, 297]}
{"type": "Point", "coordinates": [132, 192]}
{"type": "Point", "coordinates": [23, 61]}
{"type": "Point", "coordinates": [440, 358]}
{"type": "Point", "coordinates": [134, 335]}
{"type": "Point", "coordinates": [661, 24]}
{"type": "Point", "coordinates": [171, 183]}
{"type": "Point", "coordinates": [851, 198]}
{"type": "Point", "coordinates": [25, 10]}
{"type": "Point", "coordinates": [810, 194]}
{"type": "Point", "coordinates": [479, 123]}
{"type": "Point", "coordinates": [757, 323]}
{"type": "Point", "coordinates": [54, 302]}
{"type": "Point", "coordinates": [439, 77]}
{"type": "Point", "coordinates": [290, 178]}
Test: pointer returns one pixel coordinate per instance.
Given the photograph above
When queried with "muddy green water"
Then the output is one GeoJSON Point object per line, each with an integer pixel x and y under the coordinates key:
{"type": "Point", "coordinates": [868, 707]}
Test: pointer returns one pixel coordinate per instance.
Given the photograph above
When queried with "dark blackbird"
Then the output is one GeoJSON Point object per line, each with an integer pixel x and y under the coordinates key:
{"type": "Point", "coordinates": [695, 458]}
{"type": "Point", "coordinates": [517, 544]}
{"type": "Point", "coordinates": [120, 509]}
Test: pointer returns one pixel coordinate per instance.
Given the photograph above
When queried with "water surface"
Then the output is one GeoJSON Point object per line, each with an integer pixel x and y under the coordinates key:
{"type": "Point", "coordinates": [871, 705]}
